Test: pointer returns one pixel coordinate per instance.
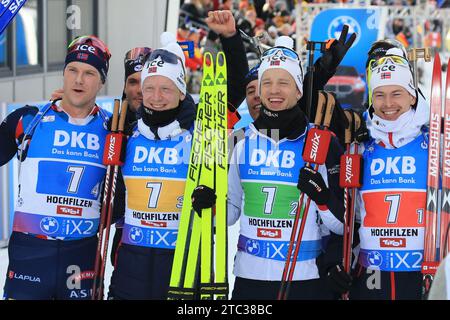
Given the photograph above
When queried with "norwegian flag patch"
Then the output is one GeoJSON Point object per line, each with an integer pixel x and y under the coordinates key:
{"type": "Point", "coordinates": [152, 69]}
{"type": "Point", "coordinates": [385, 75]}
{"type": "Point", "coordinates": [82, 56]}
{"type": "Point", "coordinates": [275, 63]}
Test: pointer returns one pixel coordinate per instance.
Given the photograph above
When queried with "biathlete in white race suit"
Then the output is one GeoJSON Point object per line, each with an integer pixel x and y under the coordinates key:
{"type": "Point", "coordinates": [270, 186]}
{"type": "Point", "coordinates": [53, 244]}
{"type": "Point", "coordinates": [393, 196]}
{"type": "Point", "coordinates": [154, 174]}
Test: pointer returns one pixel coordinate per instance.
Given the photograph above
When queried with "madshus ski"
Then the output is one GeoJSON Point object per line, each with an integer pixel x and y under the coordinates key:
{"type": "Point", "coordinates": [430, 255]}
{"type": "Point", "coordinates": [195, 252]}
{"type": "Point", "coordinates": [444, 238]}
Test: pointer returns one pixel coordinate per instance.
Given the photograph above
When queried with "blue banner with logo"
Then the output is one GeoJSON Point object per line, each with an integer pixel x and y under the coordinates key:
{"type": "Point", "coordinates": [349, 83]}
{"type": "Point", "coordinates": [365, 22]}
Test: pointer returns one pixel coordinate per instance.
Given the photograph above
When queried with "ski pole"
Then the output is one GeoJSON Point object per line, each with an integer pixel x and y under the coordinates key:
{"type": "Point", "coordinates": [311, 47]}
{"type": "Point", "coordinates": [282, 293]}
{"type": "Point", "coordinates": [314, 152]}
{"type": "Point", "coordinates": [111, 158]}
{"type": "Point", "coordinates": [350, 178]}
{"type": "Point", "coordinates": [103, 213]}
{"type": "Point", "coordinates": [299, 212]}
{"type": "Point", "coordinates": [311, 156]}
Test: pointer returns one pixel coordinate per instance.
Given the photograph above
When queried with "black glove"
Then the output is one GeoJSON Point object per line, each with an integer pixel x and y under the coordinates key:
{"type": "Point", "coordinates": [311, 183]}
{"type": "Point", "coordinates": [203, 197]}
{"type": "Point", "coordinates": [336, 50]}
{"type": "Point", "coordinates": [339, 280]}
{"type": "Point", "coordinates": [361, 134]}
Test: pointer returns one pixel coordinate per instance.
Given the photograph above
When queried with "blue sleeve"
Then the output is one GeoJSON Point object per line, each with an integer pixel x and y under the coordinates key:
{"type": "Point", "coordinates": [9, 128]}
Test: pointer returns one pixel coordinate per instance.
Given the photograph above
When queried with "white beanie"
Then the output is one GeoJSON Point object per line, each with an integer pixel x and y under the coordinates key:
{"type": "Point", "coordinates": [280, 61]}
{"type": "Point", "coordinates": [391, 73]}
{"type": "Point", "coordinates": [158, 67]}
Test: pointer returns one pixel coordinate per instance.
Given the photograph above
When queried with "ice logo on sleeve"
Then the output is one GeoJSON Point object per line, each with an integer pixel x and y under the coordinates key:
{"type": "Point", "coordinates": [136, 235]}
{"type": "Point", "coordinates": [374, 258]}
{"type": "Point", "coordinates": [252, 247]}
{"type": "Point", "coordinates": [49, 225]}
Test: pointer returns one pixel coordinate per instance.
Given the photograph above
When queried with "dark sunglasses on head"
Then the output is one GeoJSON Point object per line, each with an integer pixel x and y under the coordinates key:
{"type": "Point", "coordinates": [166, 56]}
{"type": "Point", "coordinates": [91, 41]}
{"type": "Point", "coordinates": [137, 54]}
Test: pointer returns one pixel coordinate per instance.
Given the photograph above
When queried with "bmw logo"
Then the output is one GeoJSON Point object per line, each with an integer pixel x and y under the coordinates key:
{"type": "Point", "coordinates": [136, 235]}
{"type": "Point", "coordinates": [49, 225]}
{"type": "Point", "coordinates": [252, 247]}
{"type": "Point", "coordinates": [335, 27]}
{"type": "Point", "coordinates": [374, 258]}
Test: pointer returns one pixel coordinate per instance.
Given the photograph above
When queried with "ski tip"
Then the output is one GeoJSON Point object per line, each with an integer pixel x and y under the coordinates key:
{"type": "Point", "coordinates": [207, 59]}
{"type": "Point", "coordinates": [447, 84]}
{"type": "Point", "coordinates": [220, 59]}
{"type": "Point", "coordinates": [437, 72]}
{"type": "Point", "coordinates": [437, 60]}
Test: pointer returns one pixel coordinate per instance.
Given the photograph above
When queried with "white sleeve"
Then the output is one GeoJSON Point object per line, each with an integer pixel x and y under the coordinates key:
{"type": "Point", "coordinates": [328, 219]}
{"type": "Point", "coordinates": [235, 191]}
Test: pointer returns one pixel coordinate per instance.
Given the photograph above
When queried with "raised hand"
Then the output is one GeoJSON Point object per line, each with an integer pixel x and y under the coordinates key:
{"type": "Point", "coordinates": [336, 50]}
{"type": "Point", "coordinates": [221, 22]}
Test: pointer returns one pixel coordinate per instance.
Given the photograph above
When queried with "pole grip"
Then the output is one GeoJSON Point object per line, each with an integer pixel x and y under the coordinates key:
{"type": "Point", "coordinates": [123, 115]}
{"type": "Point", "coordinates": [349, 129]}
{"type": "Point", "coordinates": [115, 116]}
{"type": "Point", "coordinates": [329, 110]}
{"type": "Point", "coordinates": [320, 110]}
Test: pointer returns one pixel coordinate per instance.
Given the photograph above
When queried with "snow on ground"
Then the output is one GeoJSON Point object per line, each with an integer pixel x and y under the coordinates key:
{"type": "Point", "coordinates": [232, 246]}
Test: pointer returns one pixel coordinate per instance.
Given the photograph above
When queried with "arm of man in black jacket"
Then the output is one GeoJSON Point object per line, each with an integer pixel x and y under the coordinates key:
{"type": "Point", "coordinates": [224, 24]}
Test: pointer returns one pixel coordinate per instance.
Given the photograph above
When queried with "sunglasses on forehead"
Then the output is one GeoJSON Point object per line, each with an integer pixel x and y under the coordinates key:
{"type": "Point", "coordinates": [90, 41]}
{"type": "Point", "coordinates": [166, 56]}
{"type": "Point", "coordinates": [137, 54]}
{"type": "Point", "coordinates": [285, 52]}
{"type": "Point", "coordinates": [398, 60]}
